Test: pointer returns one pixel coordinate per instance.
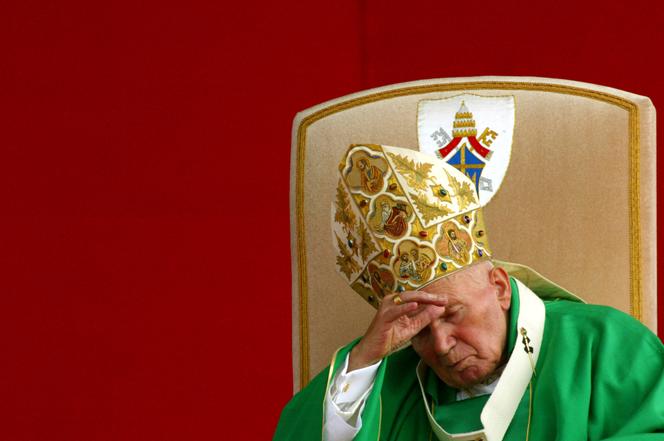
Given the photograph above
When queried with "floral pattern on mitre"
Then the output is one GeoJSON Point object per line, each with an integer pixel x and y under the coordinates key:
{"type": "Point", "coordinates": [402, 219]}
{"type": "Point", "coordinates": [354, 243]}
{"type": "Point", "coordinates": [436, 190]}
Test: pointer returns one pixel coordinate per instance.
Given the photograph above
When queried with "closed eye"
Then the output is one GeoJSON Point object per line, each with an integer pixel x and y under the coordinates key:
{"type": "Point", "coordinates": [453, 314]}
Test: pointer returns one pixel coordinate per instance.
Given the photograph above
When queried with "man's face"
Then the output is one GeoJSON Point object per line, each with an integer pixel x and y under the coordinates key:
{"type": "Point", "coordinates": [465, 344]}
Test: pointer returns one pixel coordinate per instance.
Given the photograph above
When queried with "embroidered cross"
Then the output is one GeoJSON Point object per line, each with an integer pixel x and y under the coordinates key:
{"type": "Point", "coordinates": [528, 348]}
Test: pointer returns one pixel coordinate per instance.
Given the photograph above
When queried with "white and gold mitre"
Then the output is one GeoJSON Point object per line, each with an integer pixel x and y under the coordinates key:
{"type": "Point", "coordinates": [402, 219]}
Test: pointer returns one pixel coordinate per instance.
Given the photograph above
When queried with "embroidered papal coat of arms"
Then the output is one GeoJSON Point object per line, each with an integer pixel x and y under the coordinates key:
{"type": "Point", "coordinates": [472, 133]}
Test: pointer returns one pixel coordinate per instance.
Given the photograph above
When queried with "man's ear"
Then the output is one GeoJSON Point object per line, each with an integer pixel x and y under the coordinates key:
{"type": "Point", "coordinates": [501, 280]}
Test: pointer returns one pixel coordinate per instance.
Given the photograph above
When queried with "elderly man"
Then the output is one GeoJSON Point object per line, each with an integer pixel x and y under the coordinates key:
{"type": "Point", "coordinates": [492, 355]}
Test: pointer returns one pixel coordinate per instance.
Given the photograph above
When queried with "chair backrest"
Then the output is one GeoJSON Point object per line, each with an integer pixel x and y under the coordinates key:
{"type": "Point", "coordinates": [578, 202]}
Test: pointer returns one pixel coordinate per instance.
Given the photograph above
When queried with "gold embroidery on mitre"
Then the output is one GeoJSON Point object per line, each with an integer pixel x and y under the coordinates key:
{"type": "Point", "coordinates": [417, 174]}
{"type": "Point", "coordinates": [429, 211]}
{"type": "Point", "coordinates": [479, 231]}
{"type": "Point", "coordinates": [360, 287]}
{"type": "Point", "coordinates": [344, 214]}
{"type": "Point", "coordinates": [345, 259]}
{"type": "Point", "coordinates": [424, 223]}
{"type": "Point", "coordinates": [366, 246]}
{"type": "Point", "coordinates": [441, 193]}
{"type": "Point", "coordinates": [463, 192]}
{"type": "Point", "coordinates": [353, 240]}
{"type": "Point", "coordinates": [454, 243]}
{"type": "Point", "coordinates": [381, 279]}
{"type": "Point", "coordinates": [390, 217]}
{"type": "Point", "coordinates": [366, 172]}
{"type": "Point", "coordinates": [413, 262]}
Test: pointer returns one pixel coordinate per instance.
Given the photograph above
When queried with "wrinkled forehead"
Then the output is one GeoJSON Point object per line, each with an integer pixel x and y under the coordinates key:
{"type": "Point", "coordinates": [461, 285]}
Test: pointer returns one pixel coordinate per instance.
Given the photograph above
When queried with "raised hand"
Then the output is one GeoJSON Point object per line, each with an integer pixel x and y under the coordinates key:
{"type": "Point", "coordinates": [398, 319]}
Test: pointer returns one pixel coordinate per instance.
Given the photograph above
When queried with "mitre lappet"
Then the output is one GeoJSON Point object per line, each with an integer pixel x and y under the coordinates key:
{"type": "Point", "coordinates": [402, 219]}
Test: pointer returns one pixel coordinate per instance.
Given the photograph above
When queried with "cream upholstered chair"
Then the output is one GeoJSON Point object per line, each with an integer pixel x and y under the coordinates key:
{"type": "Point", "coordinates": [578, 202]}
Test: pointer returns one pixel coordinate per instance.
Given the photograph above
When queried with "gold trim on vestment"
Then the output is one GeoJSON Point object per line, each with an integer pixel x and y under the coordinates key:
{"type": "Point", "coordinates": [380, 415]}
{"type": "Point", "coordinates": [634, 200]}
{"type": "Point", "coordinates": [327, 388]}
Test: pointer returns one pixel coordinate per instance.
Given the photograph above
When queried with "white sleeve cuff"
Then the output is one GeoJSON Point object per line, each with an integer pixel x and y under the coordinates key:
{"type": "Point", "coordinates": [349, 387]}
{"type": "Point", "coordinates": [345, 400]}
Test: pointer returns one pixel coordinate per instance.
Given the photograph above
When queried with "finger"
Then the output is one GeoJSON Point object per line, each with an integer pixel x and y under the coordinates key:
{"type": "Point", "coordinates": [424, 297]}
{"type": "Point", "coordinates": [414, 311]}
{"type": "Point", "coordinates": [392, 299]}
{"type": "Point", "coordinates": [423, 307]}
{"type": "Point", "coordinates": [423, 317]}
{"type": "Point", "coordinates": [395, 311]}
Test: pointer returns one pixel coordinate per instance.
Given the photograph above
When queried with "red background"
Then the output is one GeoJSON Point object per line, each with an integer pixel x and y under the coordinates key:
{"type": "Point", "coordinates": [142, 296]}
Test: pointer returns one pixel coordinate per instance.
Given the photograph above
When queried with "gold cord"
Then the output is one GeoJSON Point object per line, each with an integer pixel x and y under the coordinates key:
{"type": "Point", "coordinates": [434, 416]}
{"type": "Point", "coordinates": [529, 349]}
{"type": "Point", "coordinates": [530, 410]}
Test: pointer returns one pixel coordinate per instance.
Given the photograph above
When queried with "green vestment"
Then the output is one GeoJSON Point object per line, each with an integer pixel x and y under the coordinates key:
{"type": "Point", "coordinates": [599, 376]}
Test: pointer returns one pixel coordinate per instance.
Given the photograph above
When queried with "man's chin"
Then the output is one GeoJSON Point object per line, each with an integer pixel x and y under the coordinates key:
{"type": "Point", "coordinates": [472, 376]}
{"type": "Point", "coordinates": [465, 378]}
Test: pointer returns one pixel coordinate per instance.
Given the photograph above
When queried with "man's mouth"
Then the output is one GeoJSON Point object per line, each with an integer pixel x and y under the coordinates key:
{"type": "Point", "coordinates": [454, 365]}
{"type": "Point", "coordinates": [459, 365]}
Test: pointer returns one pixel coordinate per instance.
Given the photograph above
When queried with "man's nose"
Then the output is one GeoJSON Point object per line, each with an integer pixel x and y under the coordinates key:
{"type": "Point", "coordinates": [443, 340]}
